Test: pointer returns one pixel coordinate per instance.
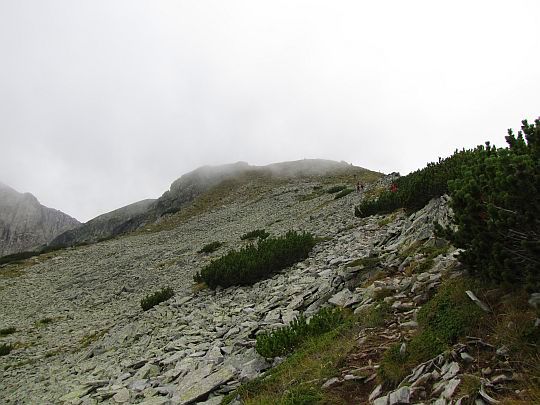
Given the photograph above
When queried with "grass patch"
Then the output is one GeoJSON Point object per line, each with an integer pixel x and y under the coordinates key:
{"type": "Point", "coordinates": [299, 378]}
{"type": "Point", "coordinates": [367, 263]}
{"type": "Point", "coordinates": [210, 247]}
{"type": "Point", "coordinates": [448, 316]}
{"type": "Point", "coordinates": [389, 218]}
{"type": "Point", "coordinates": [152, 300]}
{"type": "Point", "coordinates": [470, 385]}
{"type": "Point", "coordinates": [419, 266]}
{"type": "Point", "coordinates": [284, 340]}
{"type": "Point", "coordinates": [253, 263]}
{"type": "Point", "coordinates": [336, 189]}
{"type": "Point", "coordinates": [7, 331]}
{"type": "Point", "coordinates": [255, 234]}
{"type": "Point", "coordinates": [87, 340]}
{"type": "Point", "coordinates": [5, 349]}
{"type": "Point", "coordinates": [343, 193]}
{"type": "Point", "coordinates": [431, 252]}
{"type": "Point", "coordinates": [374, 316]}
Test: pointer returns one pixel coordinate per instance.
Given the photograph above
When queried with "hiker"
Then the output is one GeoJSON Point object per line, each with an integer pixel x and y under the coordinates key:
{"type": "Point", "coordinates": [393, 188]}
{"type": "Point", "coordinates": [358, 187]}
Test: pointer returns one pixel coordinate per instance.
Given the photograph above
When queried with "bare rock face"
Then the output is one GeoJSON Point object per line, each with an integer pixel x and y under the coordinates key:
{"type": "Point", "coordinates": [105, 226]}
{"type": "Point", "coordinates": [25, 224]}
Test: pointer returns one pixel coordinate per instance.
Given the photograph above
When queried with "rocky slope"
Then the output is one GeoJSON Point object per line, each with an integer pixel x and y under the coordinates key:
{"type": "Point", "coordinates": [104, 226]}
{"type": "Point", "coordinates": [193, 185]}
{"type": "Point", "coordinates": [82, 338]}
{"type": "Point", "coordinates": [25, 224]}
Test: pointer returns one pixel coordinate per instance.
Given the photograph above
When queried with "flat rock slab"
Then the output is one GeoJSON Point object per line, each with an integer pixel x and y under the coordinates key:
{"type": "Point", "coordinates": [201, 382]}
{"type": "Point", "coordinates": [341, 298]}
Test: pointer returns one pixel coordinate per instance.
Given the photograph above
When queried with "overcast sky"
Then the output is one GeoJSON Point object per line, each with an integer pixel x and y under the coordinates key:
{"type": "Point", "coordinates": [106, 102]}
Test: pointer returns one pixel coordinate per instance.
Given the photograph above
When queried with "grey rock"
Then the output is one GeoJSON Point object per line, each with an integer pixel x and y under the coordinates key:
{"type": "Point", "coordinates": [400, 396]}
{"type": "Point", "coordinates": [253, 368]}
{"type": "Point", "coordinates": [122, 396]}
{"type": "Point", "coordinates": [534, 300]}
{"type": "Point", "coordinates": [467, 358]}
{"type": "Point", "coordinates": [341, 298]}
{"type": "Point", "coordinates": [450, 371]}
{"type": "Point", "coordinates": [381, 401]}
{"type": "Point", "coordinates": [25, 224]}
{"type": "Point", "coordinates": [200, 383]}
{"type": "Point", "coordinates": [475, 299]}
{"type": "Point", "coordinates": [450, 388]}
{"type": "Point", "coordinates": [330, 382]}
{"type": "Point", "coordinates": [376, 392]}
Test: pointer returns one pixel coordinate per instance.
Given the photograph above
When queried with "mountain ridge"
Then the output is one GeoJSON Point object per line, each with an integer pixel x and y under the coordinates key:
{"type": "Point", "coordinates": [25, 224]}
{"type": "Point", "coordinates": [188, 187]}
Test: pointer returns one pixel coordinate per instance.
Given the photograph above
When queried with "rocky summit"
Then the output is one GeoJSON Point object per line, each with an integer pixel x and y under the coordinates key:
{"type": "Point", "coordinates": [81, 337]}
{"type": "Point", "coordinates": [25, 224]}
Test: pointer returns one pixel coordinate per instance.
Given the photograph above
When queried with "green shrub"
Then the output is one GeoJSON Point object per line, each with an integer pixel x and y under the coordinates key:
{"type": "Point", "coordinates": [496, 204]}
{"type": "Point", "coordinates": [257, 233]}
{"type": "Point", "coordinates": [343, 193]}
{"type": "Point", "coordinates": [336, 189]}
{"type": "Point", "coordinates": [450, 313]}
{"type": "Point", "coordinates": [417, 188]}
{"type": "Point", "coordinates": [253, 263]}
{"type": "Point", "coordinates": [17, 257]}
{"type": "Point", "coordinates": [210, 247]}
{"type": "Point", "coordinates": [5, 349]}
{"type": "Point", "coordinates": [7, 331]}
{"type": "Point", "coordinates": [284, 340]}
{"type": "Point", "coordinates": [152, 300]}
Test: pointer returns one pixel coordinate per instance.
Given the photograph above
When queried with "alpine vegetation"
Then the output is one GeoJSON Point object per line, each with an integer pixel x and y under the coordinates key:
{"type": "Point", "coordinates": [255, 262]}
{"type": "Point", "coordinates": [284, 340]}
{"type": "Point", "coordinates": [152, 300]}
{"type": "Point", "coordinates": [210, 247]}
{"type": "Point", "coordinates": [255, 234]}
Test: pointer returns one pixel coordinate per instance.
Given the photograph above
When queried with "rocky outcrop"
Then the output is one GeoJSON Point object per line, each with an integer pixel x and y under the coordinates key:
{"type": "Point", "coordinates": [25, 224]}
{"type": "Point", "coordinates": [105, 226]}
